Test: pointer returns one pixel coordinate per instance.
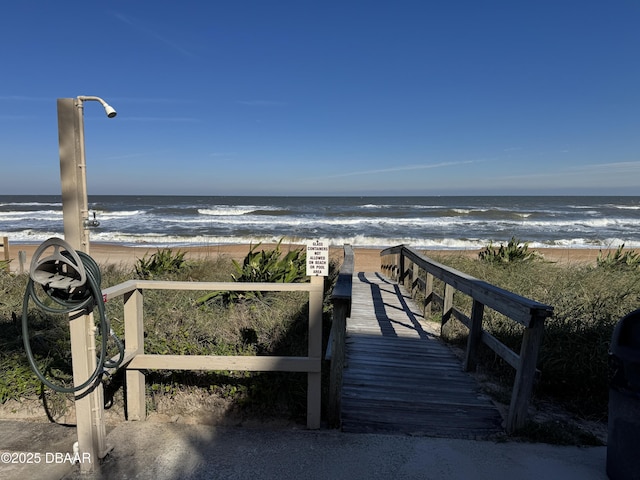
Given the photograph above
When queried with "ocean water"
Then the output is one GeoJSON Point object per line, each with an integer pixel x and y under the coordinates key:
{"type": "Point", "coordinates": [422, 222]}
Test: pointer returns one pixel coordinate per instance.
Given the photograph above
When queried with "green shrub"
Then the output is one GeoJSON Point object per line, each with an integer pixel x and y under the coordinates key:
{"type": "Point", "coordinates": [619, 258]}
{"type": "Point", "coordinates": [16, 379]}
{"type": "Point", "coordinates": [263, 266]}
{"type": "Point", "coordinates": [270, 266]}
{"type": "Point", "coordinates": [514, 251]}
{"type": "Point", "coordinates": [162, 262]}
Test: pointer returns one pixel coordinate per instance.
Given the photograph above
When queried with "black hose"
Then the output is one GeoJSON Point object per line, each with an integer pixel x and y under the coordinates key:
{"type": "Point", "coordinates": [86, 297]}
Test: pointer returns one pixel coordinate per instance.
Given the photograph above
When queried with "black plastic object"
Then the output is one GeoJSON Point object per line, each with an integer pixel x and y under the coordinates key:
{"type": "Point", "coordinates": [623, 461]}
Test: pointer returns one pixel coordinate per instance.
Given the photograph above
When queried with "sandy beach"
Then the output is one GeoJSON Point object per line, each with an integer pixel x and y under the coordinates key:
{"type": "Point", "coordinates": [366, 259]}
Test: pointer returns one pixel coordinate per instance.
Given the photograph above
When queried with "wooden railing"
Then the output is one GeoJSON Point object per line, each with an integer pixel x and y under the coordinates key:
{"type": "Point", "coordinates": [341, 300]}
{"type": "Point", "coordinates": [135, 360]}
{"type": "Point", "coordinates": [403, 264]}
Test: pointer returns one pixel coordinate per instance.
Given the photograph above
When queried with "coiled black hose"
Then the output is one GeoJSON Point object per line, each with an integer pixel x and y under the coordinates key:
{"type": "Point", "coordinates": [83, 298]}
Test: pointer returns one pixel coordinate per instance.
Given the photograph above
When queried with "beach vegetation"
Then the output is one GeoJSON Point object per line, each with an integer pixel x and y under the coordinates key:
{"type": "Point", "coordinates": [619, 258]}
{"type": "Point", "coordinates": [513, 251]}
{"type": "Point", "coordinates": [17, 379]}
{"type": "Point", "coordinates": [271, 266]}
{"type": "Point", "coordinates": [263, 266]}
{"type": "Point", "coordinates": [164, 261]}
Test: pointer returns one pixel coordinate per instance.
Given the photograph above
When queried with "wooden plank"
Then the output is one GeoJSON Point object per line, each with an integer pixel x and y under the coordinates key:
{"type": "Point", "coordinates": [415, 412]}
{"type": "Point", "coordinates": [342, 289]}
{"type": "Point", "coordinates": [341, 299]}
{"type": "Point", "coordinates": [437, 421]}
{"type": "Point", "coordinates": [399, 378]}
{"type": "Point", "coordinates": [231, 362]}
{"type": "Point", "coordinates": [422, 396]}
{"type": "Point", "coordinates": [425, 383]}
{"type": "Point", "coordinates": [129, 285]}
{"type": "Point", "coordinates": [444, 387]}
{"type": "Point", "coordinates": [400, 354]}
{"type": "Point", "coordinates": [337, 345]}
{"type": "Point", "coordinates": [396, 366]}
{"type": "Point", "coordinates": [508, 355]}
{"type": "Point", "coordinates": [227, 286]}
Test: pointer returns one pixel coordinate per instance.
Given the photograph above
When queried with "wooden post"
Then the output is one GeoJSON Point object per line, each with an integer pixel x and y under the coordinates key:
{"type": "Point", "coordinates": [525, 374]}
{"type": "Point", "coordinates": [314, 378]}
{"type": "Point", "coordinates": [341, 300]}
{"type": "Point", "coordinates": [134, 341]}
{"type": "Point", "coordinates": [447, 304]}
{"type": "Point", "coordinates": [428, 295]}
{"type": "Point", "coordinates": [475, 336]}
{"type": "Point", "coordinates": [395, 266]}
{"type": "Point", "coordinates": [338, 334]}
{"type": "Point", "coordinates": [22, 260]}
{"type": "Point", "coordinates": [5, 247]}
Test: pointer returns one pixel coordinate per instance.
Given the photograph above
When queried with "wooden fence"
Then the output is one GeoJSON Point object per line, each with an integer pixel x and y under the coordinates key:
{"type": "Point", "coordinates": [4, 244]}
{"type": "Point", "coordinates": [341, 300]}
{"type": "Point", "coordinates": [405, 264]}
{"type": "Point", "coordinates": [135, 360]}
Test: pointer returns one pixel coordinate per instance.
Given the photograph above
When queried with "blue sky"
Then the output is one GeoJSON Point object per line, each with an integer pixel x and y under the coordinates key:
{"type": "Point", "coordinates": [326, 97]}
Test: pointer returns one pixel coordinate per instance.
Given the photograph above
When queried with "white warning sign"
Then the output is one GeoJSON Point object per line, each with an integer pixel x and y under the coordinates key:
{"type": "Point", "coordinates": [317, 258]}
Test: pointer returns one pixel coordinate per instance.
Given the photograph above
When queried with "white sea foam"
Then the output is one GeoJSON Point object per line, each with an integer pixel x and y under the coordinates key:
{"type": "Point", "coordinates": [31, 204]}
{"type": "Point", "coordinates": [230, 211]}
{"type": "Point", "coordinates": [38, 214]}
{"type": "Point", "coordinates": [119, 214]}
{"type": "Point", "coordinates": [357, 240]}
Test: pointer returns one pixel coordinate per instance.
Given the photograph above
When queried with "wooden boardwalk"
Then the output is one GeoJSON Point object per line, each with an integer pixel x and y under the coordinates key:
{"type": "Point", "coordinates": [398, 378]}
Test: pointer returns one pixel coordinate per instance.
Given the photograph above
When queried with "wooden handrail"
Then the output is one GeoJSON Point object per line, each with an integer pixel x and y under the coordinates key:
{"type": "Point", "coordinates": [342, 289]}
{"type": "Point", "coordinates": [136, 361]}
{"type": "Point", "coordinates": [527, 312]}
{"type": "Point", "coordinates": [514, 306]}
{"type": "Point", "coordinates": [341, 300]}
